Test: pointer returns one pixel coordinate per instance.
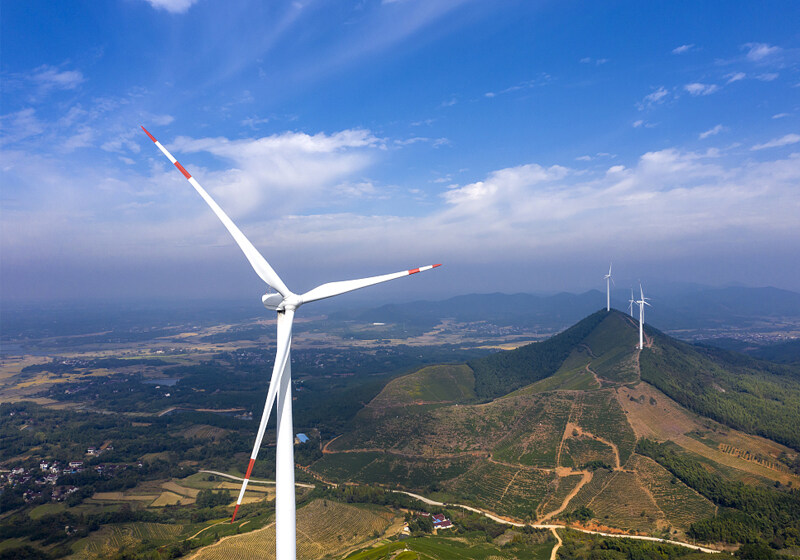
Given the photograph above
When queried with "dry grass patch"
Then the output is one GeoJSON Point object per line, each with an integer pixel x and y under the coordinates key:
{"type": "Point", "coordinates": [171, 499]}
{"type": "Point", "coordinates": [324, 528]}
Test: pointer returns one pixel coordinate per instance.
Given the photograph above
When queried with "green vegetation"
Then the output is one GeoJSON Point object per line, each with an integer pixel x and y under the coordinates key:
{"type": "Point", "coordinates": [744, 393]}
{"type": "Point", "coordinates": [501, 373]}
{"type": "Point", "coordinates": [582, 546]}
{"type": "Point", "coordinates": [432, 384]}
{"type": "Point", "coordinates": [751, 513]}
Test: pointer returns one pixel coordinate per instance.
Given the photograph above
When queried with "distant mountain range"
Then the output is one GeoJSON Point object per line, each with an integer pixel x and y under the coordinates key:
{"type": "Point", "coordinates": [686, 307]}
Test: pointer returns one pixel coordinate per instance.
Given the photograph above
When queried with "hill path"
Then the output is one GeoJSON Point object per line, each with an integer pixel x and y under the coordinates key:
{"type": "Point", "coordinates": [554, 552]}
{"type": "Point", "coordinates": [586, 478]}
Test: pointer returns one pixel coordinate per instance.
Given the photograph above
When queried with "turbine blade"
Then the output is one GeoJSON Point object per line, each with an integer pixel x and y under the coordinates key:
{"type": "Point", "coordinates": [278, 369]}
{"type": "Point", "coordinates": [257, 261]}
{"type": "Point", "coordinates": [335, 288]}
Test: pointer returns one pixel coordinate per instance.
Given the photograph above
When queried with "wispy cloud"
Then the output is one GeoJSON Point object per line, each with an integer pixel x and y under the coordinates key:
{"type": "Point", "coordinates": [49, 77]}
{"type": "Point", "coordinates": [768, 76]}
{"type": "Point", "coordinates": [711, 132]}
{"type": "Point", "coordinates": [735, 77]}
{"type": "Point", "coordinates": [595, 61]}
{"type": "Point", "coordinates": [656, 97]}
{"type": "Point", "coordinates": [781, 115]}
{"type": "Point", "coordinates": [682, 49]}
{"type": "Point", "coordinates": [697, 88]}
{"type": "Point", "coordinates": [435, 142]}
{"type": "Point", "coordinates": [172, 6]}
{"type": "Point", "coordinates": [527, 84]}
{"type": "Point", "coordinates": [778, 142]}
{"type": "Point", "coordinates": [759, 51]}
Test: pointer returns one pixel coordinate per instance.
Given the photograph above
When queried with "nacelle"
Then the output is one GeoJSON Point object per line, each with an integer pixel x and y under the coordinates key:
{"type": "Point", "coordinates": [272, 301]}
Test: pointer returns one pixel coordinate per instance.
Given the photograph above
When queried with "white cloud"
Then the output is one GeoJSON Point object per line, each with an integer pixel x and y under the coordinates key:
{"type": "Point", "coordinates": [281, 171]}
{"type": "Point", "coordinates": [697, 88]}
{"type": "Point", "coordinates": [637, 124]}
{"type": "Point", "coordinates": [711, 132]}
{"type": "Point", "coordinates": [778, 142]}
{"type": "Point", "coordinates": [781, 115]}
{"type": "Point", "coordinates": [162, 120]}
{"type": "Point", "coordinates": [768, 77]}
{"type": "Point", "coordinates": [596, 61]}
{"type": "Point", "coordinates": [658, 96]}
{"type": "Point", "coordinates": [172, 6]}
{"type": "Point", "coordinates": [682, 49]}
{"type": "Point", "coordinates": [49, 77]}
{"type": "Point", "coordinates": [735, 77]}
{"type": "Point", "coordinates": [20, 126]}
{"type": "Point", "coordinates": [583, 158]}
{"type": "Point", "coordinates": [759, 51]}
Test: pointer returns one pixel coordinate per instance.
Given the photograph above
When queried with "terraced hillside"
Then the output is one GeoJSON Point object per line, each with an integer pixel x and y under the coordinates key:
{"type": "Point", "coordinates": [538, 432]}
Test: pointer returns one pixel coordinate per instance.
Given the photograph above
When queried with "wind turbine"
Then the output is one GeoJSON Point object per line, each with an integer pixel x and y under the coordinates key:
{"type": "Point", "coordinates": [285, 302]}
{"type": "Point", "coordinates": [630, 304]}
{"type": "Point", "coordinates": [642, 302]}
{"type": "Point", "coordinates": [608, 280]}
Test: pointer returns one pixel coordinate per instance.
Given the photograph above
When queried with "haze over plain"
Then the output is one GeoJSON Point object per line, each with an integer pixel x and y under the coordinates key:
{"type": "Point", "coordinates": [522, 144]}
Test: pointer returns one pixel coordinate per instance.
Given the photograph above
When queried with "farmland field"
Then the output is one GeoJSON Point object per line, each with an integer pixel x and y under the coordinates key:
{"type": "Point", "coordinates": [323, 528]}
{"type": "Point", "coordinates": [502, 489]}
{"type": "Point", "coordinates": [681, 505]}
{"type": "Point", "coordinates": [108, 540]}
{"type": "Point", "coordinates": [625, 504]}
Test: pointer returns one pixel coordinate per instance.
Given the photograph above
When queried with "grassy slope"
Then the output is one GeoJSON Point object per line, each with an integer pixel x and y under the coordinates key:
{"type": "Point", "coordinates": [744, 393]}
{"type": "Point", "coordinates": [426, 435]}
{"type": "Point", "coordinates": [437, 384]}
{"type": "Point", "coordinates": [501, 373]}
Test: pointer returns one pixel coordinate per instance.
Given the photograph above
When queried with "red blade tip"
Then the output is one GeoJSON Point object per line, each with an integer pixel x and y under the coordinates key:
{"type": "Point", "coordinates": [434, 266]}
{"type": "Point", "coordinates": [234, 513]}
{"type": "Point", "coordinates": [148, 134]}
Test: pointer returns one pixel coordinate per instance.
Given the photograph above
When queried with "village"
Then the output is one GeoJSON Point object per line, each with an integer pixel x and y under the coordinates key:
{"type": "Point", "coordinates": [49, 473]}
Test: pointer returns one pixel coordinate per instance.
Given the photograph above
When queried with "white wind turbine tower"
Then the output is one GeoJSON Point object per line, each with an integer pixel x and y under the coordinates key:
{"type": "Point", "coordinates": [608, 280]}
{"type": "Point", "coordinates": [630, 304]}
{"type": "Point", "coordinates": [642, 302]}
{"type": "Point", "coordinates": [285, 302]}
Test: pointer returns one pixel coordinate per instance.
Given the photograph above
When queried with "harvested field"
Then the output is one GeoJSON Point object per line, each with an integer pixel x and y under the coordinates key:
{"type": "Point", "coordinates": [171, 499]}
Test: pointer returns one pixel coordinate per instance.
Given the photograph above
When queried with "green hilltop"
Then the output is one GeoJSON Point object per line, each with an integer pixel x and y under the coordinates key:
{"type": "Point", "coordinates": [586, 425]}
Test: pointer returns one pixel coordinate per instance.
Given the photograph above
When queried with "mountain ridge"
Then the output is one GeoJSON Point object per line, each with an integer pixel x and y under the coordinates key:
{"type": "Point", "coordinates": [564, 431]}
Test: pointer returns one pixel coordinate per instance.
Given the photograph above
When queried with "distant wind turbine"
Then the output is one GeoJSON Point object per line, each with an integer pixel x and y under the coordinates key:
{"type": "Point", "coordinates": [642, 302]}
{"type": "Point", "coordinates": [630, 303]}
{"type": "Point", "coordinates": [285, 302]}
{"type": "Point", "coordinates": [608, 280]}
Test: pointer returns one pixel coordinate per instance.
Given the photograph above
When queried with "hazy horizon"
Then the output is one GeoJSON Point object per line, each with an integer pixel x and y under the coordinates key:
{"type": "Point", "coordinates": [523, 145]}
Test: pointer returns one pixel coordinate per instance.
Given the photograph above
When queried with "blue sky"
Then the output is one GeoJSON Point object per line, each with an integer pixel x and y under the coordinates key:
{"type": "Point", "coordinates": [523, 144]}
